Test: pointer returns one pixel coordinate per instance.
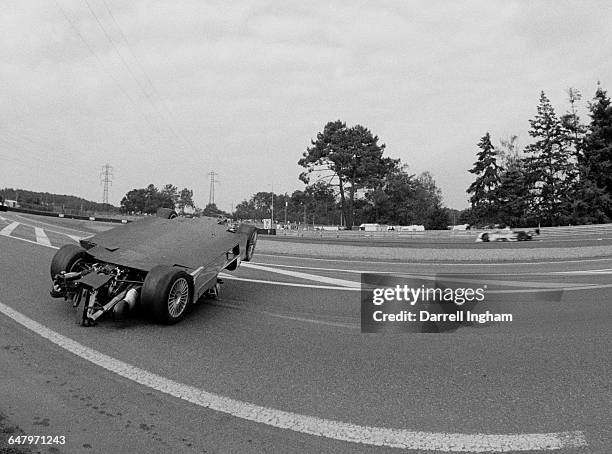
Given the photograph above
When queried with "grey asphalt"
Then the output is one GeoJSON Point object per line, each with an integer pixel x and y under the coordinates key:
{"type": "Point", "coordinates": [299, 349]}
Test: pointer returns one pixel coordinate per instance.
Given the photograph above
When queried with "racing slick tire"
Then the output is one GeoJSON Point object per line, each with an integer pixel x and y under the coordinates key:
{"type": "Point", "coordinates": [166, 213]}
{"type": "Point", "coordinates": [68, 258]}
{"type": "Point", "coordinates": [522, 236]}
{"type": "Point", "coordinates": [250, 246]}
{"type": "Point", "coordinates": [485, 237]}
{"type": "Point", "coordinates": [166, 294]}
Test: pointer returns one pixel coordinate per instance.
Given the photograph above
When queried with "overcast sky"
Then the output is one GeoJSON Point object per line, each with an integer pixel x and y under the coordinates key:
{"type": "Point", "coordinates": [167, 91]}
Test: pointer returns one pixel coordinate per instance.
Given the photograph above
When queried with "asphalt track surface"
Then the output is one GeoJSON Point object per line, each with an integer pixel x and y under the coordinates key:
{"type": "Point", "coordinates": [278, 363]}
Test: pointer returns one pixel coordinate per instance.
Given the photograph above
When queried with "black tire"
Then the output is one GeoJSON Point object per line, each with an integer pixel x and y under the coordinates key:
{"type": "Point", "coordinates": [68, 258]}
{"type": "Point", "coordinates": [166, 294]}
{"type": "Point", "coordinates": [166, 213]}
{"type": "Point", "coordinates": [250, 246]}
{"type": "Point", "coordinates": [522, 236]}
{"type": "Point", "coordinates": [485, 237]}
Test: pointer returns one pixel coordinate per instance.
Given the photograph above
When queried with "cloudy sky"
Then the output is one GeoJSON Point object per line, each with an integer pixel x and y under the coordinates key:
{"type": "Point", "coordinates": [167, 91]}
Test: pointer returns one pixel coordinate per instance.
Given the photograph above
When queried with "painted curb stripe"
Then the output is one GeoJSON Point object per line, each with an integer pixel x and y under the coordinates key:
{"type": "Point", "coordinates": [6, 231]}
{"type": "Point", "coordinates": [29, 241]}
{"type": "Point", "coordinates": [41, 237]}
{"type": "Point", "coordinates": [336, 430]}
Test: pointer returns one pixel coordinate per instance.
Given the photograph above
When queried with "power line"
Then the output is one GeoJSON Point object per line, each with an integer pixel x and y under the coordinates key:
{"type": "Point", "coordinates": [142, 69]}
{"type": "Point", "coordinates": [104, 67]}
{"type": "Point", "coordinates": [106, 176]}
{"type": "Point", "coordinates": [129, 69]}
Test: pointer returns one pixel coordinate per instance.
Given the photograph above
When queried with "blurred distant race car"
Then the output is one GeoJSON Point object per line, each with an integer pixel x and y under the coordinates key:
{"type": "Point", "coordinates": [162, 263]}
{"type": "Point", "coordinates": [505, 235]}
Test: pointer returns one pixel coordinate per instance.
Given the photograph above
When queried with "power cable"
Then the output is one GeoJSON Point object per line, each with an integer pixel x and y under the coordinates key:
{"type": "Point", "coordinates": [129, 70]}
{"type": "Point", "coordinates": [101, 63]}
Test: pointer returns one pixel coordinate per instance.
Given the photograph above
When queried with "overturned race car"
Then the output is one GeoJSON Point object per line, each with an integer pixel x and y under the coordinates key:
{"type": "Point", "coordinates": [161, 263]}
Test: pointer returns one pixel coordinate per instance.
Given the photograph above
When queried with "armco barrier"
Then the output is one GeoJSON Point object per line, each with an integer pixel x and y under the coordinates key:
{"type": "Point", "coordinates": [266, 231]}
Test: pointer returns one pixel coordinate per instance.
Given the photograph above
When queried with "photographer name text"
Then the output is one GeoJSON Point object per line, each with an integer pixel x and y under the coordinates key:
{"type": "Point", "coordinates": [426, 316]}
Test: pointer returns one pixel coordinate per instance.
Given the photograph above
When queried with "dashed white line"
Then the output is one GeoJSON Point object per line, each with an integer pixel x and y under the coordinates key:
{"type": "Point", "coordinates": [311, 425]}
{"type": "Point", "coordinates": [41, 237]}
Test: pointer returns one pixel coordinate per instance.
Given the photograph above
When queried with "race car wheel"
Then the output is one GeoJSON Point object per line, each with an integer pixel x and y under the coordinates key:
{"type": "Point", "coordinates": [69, 258]}
{"type": "Point", "coordinates": [485, 237]}
{"type": "Point", "coordinates": [166, 293]}
{"type": "Point", "coordinates": [522, 236]}
{"type": "Point", "coordinates": [250, 246]}
{"type": "Point", "coordinates": [166, 213]}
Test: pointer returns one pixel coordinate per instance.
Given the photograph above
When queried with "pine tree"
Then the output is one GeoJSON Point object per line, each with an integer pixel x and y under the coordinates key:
{"type": "Point", "coordinates": [550, 167]}
{"type": "Point", "coordinates": [596, 157]}
{"type": "Point", "coordinates": [515, 196]}
{"type": "Point", "coordinates": [484, 188]}
{"type": "Point", "coordinates": [571, 122]}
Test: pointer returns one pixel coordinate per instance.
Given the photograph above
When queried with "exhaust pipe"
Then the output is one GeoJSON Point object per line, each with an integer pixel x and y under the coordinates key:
{"type": "Point", "coordinates": [127, 304]}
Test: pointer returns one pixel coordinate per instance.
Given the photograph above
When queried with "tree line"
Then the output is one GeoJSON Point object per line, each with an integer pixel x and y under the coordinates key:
{"type": "Point", "coordinates": [148, 200]}
{"type": "Point", "coordinates": [563, 177]}
{"type": "Point", "coordinates": [58, 203]}
{"type": "Point", "coordinates": [349, 182]}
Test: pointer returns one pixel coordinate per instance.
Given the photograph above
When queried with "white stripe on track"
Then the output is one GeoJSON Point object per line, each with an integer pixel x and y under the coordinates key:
{"type": "Point", "coordinates": [30, 241]}
{"type": "Point", "coordinates": [6, 231]}
{"type": "Point", "coordinates": [41, 237]}
{"type": "Point", "coordinates": [306, 276]}
{"type": "Point", "coordinates": [311, 425]}
{"type": "Point", "coordinates": [38, 221]}
{"type": "Point", "coordinates": [404, 273]}
{"type": "Point", "coordinates": [230, 277]}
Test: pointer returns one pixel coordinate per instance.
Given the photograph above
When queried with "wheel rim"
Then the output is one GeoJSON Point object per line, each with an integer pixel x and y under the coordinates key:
{"type": "Point", "coordinates": [178, 297]}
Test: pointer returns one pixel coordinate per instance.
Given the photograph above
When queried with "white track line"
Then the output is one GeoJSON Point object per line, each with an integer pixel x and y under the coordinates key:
{"type": "Point", "coordinates": [6, 231]}
{"type": "Point", "coordinates": [306, 276]}
{"type": "Point", "coordinates": [311, 425]}
{"type": "Point", "coordinates": [53, 225]}
{"type": "Point", "coordinates": [41, 237]}
{"type": "Point", "coordinates": [533, 287]}
{"type": "Point", "coordinates": [29, 241]}
{"type": "Point", "coordinates": [399, 273]}
{"type": "Point", "coordinates": [230, 277]}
